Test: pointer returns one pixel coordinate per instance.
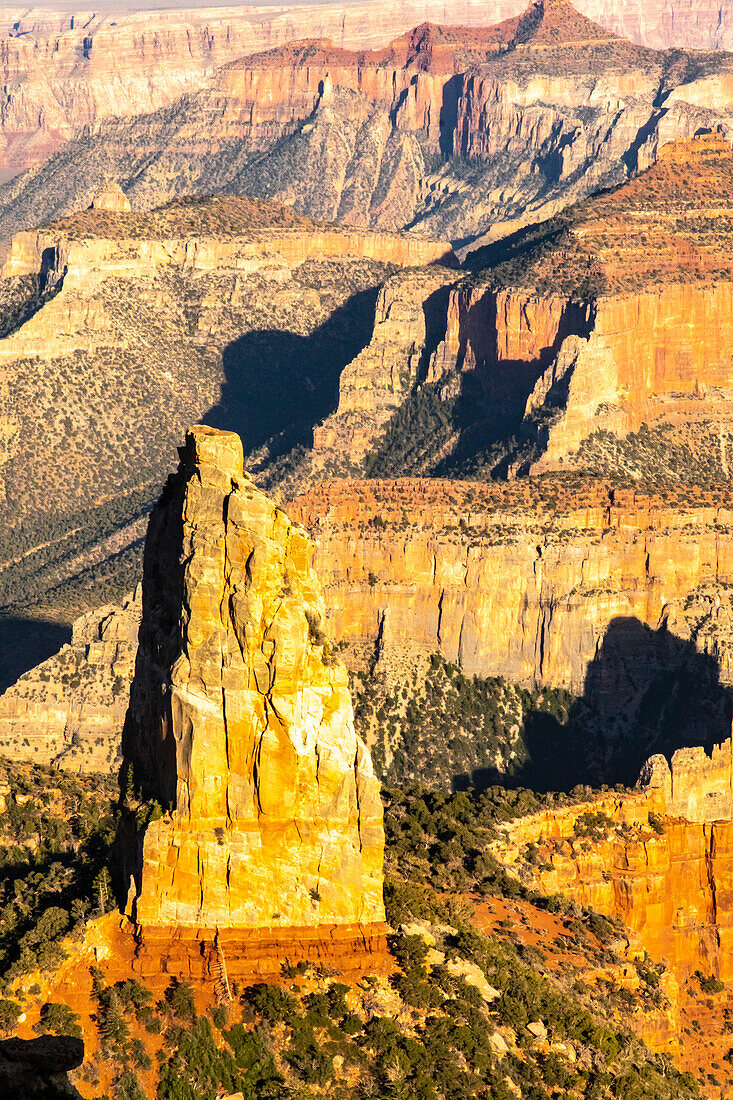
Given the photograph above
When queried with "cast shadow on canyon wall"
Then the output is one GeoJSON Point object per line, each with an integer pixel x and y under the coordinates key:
{"type": "Point", "coordinates": [25, 643]}
{"type": "Point", "coordinates": [646, 691]}
{"type": "Point", "coordinates": [279, 384]}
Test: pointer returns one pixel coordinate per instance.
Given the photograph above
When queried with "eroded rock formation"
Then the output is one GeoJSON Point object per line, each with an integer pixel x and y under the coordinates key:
{"type": "Point", "coordinates": [451, 130]}
{"type": "Point", "coordinates": [240, 723]}
{"type": "Point", "coordinates": [63, 72]}
{"type": "Point", "coordinates": [70, 710]}
{"type": "Point", "coordinates": [600, 340]}
{"type": "Point", "coordinates": [661, 858]}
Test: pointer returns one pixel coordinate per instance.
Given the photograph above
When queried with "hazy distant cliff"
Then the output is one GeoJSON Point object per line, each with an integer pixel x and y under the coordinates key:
{"type": "Point", "coordinates": [456, 131]}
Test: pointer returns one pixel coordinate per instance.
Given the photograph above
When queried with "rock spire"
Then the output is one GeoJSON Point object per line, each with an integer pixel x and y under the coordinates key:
{"type": "Point", "coordinates": [240, 724]}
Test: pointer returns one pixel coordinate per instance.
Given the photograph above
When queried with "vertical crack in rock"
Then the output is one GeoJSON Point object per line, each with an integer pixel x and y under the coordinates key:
{"type": "Point", "coordinates": [240, 722]}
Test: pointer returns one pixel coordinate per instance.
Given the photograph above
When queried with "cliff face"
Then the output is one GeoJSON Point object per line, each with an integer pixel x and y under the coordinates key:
{"type": "Point", "coordinates": [240, 721]}
{"type": "Point", "coordinates": [661, 860]}
{"type": "Point", "coordinates": [639, 364]}
{"type": "Point", "coordinates": [455, 131]}
{"type": "Point", "coordinates": [599, 340]}
{"type": "Point", "coordinates": [519, 581]}
{"type": "Point", "coordinates": [63, 72]}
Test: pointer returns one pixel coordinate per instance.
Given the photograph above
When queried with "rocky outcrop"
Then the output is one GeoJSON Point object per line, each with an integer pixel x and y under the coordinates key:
{"type": "Point", "coordinates": [111, 197]}
{"type": "Point", "coordinates": [694, 785]}
{"type": "Point", "coordinates": [240, 723]}
{"type": "Point", "coordinates": [70, 710]}
{"type": "Point", "coordinates": [381, 378]}
{"type": "Point", "coordinates": [660, 859]}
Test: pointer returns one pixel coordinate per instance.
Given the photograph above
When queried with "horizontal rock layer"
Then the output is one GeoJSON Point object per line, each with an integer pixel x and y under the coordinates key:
{"type": "Point", "coordinates": [567, 585]}
{"type": "Point", "coordinates": [540, 110]}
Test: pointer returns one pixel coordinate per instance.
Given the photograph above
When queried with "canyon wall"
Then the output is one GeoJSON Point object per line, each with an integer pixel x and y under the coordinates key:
{"type": "Point", "coordinates": [458, 131]}
{"type": "Point", "coordinates": [240, 723]}
{"type": "Point", "coordinates": [574, 585]}
{"type": "Point", "coordinates": [63, 71]}
{"type": "Point", "coordinates": [521, 580]}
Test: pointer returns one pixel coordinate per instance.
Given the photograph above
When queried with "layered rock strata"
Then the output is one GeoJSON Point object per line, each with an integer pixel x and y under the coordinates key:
{"type": "Point", "coordinates": [70, 710]}
{"type": "Point", "coordinates": [63, 72]}
{"type": "Point", "coordinates": [523, 580]}
{"type": "Point", "coordinates": [572, 585]}
{"type": "Point", "coordinates": [660, 859]}
{"type": "Point", "coordinates": [240, 723]}
{"type": "Point", "coordinates": [576, 340]}
{"type": "Point", "coordinates": [450, 130]}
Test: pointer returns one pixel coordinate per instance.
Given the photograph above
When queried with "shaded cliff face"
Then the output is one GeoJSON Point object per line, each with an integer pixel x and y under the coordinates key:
{"type": "Point", "coordinates": [240, 723]}
{"type": "Point", "coordinates": [455, 131]}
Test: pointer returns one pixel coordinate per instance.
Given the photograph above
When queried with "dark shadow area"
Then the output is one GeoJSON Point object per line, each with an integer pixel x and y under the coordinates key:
{"type": "Point", "coordinates": [489, 411]}
{"type": "Point", "coordinates": [646, 692]}
{"type": "Point", "coordinates": [279, 385]}
{"type": "Point", "coordinates": [435, 313]}
{"type": "Point", "coordinates": [449, 116]}
{"type": "Point", "coordinates": [24, 643]}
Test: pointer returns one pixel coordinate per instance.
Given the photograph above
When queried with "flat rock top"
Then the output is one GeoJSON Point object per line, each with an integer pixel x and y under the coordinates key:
{"type": "Point", "coordinates": [226, 216]}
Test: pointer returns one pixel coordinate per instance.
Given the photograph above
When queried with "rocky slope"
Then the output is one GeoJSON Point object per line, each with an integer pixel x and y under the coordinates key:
{"type": "Point", "coordinates": [240, 723]}
{"type": "Point", "coordinates": [455, 131]}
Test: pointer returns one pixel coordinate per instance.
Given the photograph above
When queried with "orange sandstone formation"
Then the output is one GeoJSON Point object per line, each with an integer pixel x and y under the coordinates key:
{"type": "Point", "coordinates": [661, 858]}
{"type": "Point", "coordinates": [521, 579]}
{"type": "Point", "coordinates": [240, 723]}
